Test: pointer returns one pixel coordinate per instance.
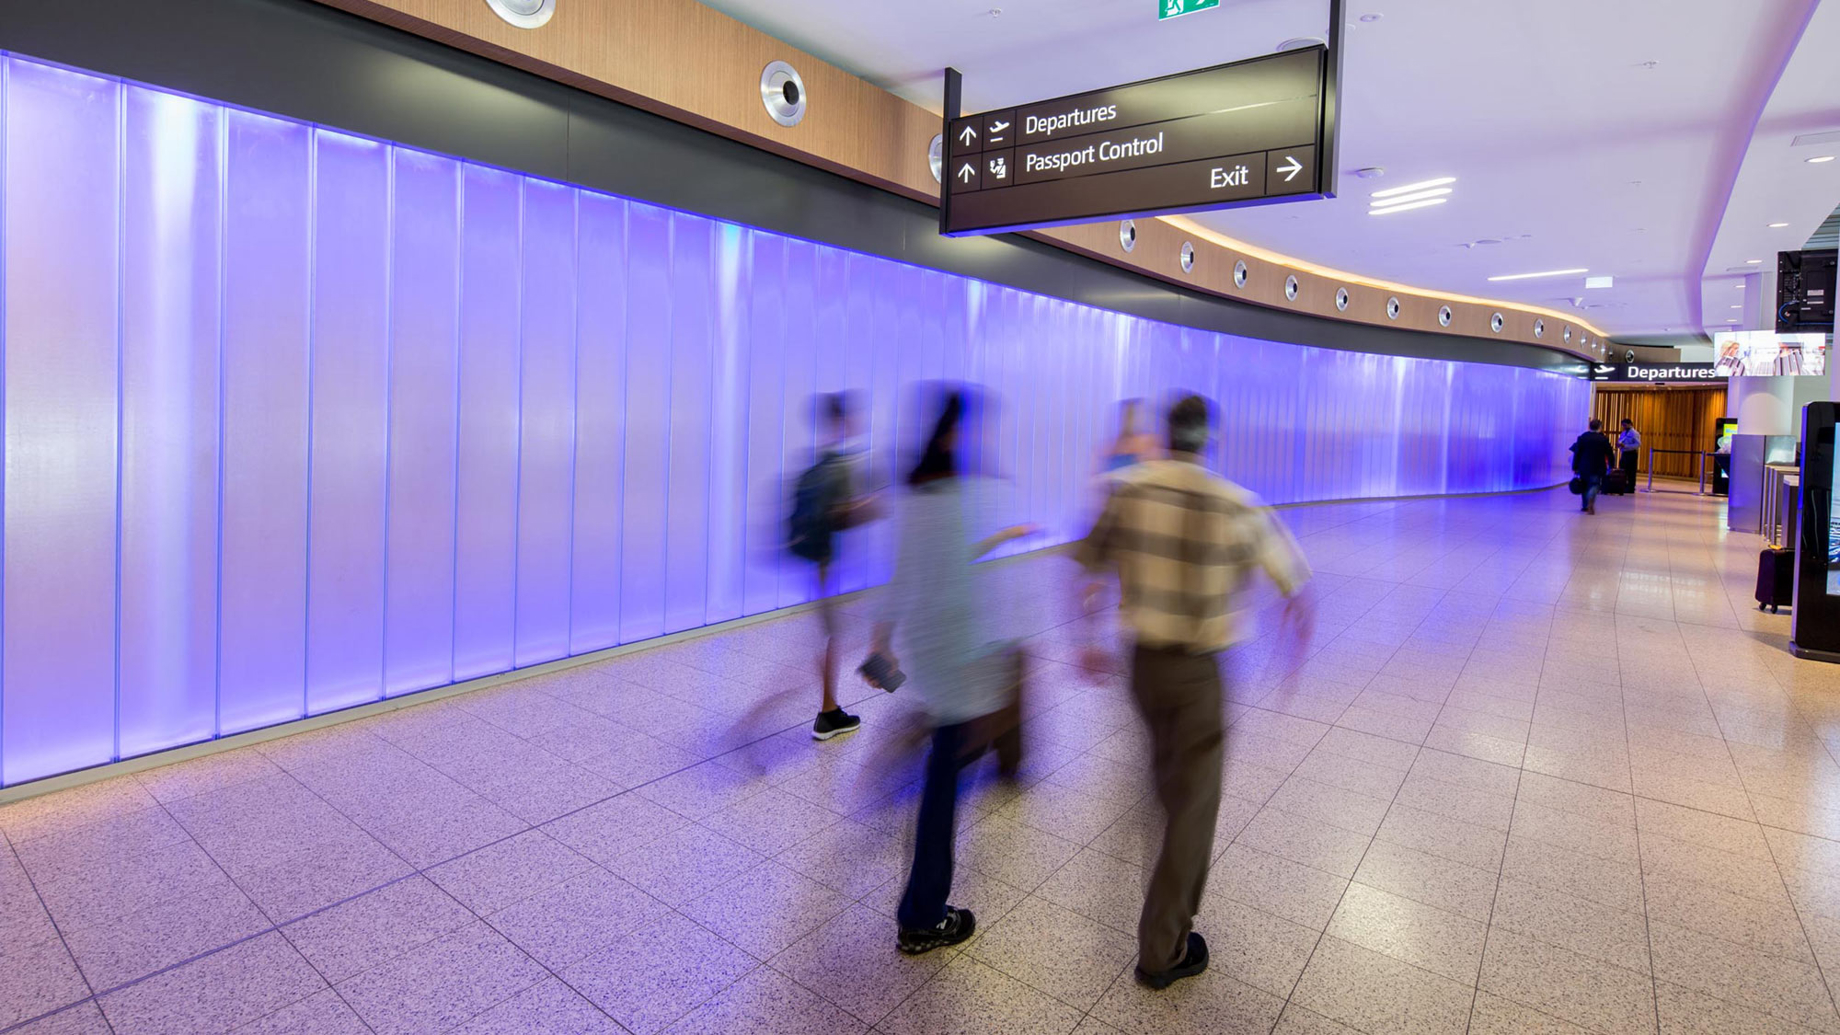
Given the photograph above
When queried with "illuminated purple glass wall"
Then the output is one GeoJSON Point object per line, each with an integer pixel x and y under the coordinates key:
{"type": "Point", "coordinates": [297, 420]}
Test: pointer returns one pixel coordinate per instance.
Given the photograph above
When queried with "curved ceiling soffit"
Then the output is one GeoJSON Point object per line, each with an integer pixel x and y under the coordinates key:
{"type": "Point", "coordinates": [1775, 53]}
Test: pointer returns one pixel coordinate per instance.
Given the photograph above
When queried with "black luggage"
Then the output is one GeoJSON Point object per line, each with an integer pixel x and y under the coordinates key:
{"type": "Point", "coordinates": [1775, 578]}
{"type": "Point", "coordinates": [1616, 483]}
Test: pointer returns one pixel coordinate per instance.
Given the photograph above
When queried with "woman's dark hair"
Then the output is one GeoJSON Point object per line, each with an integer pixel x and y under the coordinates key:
{"type": "Point", "coordinates": [940, 457]}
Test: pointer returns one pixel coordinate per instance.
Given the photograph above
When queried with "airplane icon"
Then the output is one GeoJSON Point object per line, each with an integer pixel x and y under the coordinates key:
{"type": "Point", "coordinates": [995, 130]}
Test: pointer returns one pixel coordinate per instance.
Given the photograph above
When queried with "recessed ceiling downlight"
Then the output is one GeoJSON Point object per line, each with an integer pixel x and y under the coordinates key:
{"type": "Point", "coordinates": [525, 14]}
{"type": "Point", "coordinates": [1818, 159]}
{"type": "Point", "coordinates": [1777, 226]}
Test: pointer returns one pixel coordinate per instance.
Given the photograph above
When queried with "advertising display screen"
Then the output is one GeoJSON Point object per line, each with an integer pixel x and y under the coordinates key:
{"type": "Point", "coordinates": [1766, 353]}
{"type": "Point", "coordinates": [1833, 534]}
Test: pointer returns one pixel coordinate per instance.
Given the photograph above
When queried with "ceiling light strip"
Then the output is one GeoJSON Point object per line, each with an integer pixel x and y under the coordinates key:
{"type": "Point", "coordinates": [1406, 207]}
{"type": "Point", "coordinates": [1408, 188]}
{"type": "Point", "coordinates": [1415, 196]}
{"type": "Point", "coordinates": [1542, 273]}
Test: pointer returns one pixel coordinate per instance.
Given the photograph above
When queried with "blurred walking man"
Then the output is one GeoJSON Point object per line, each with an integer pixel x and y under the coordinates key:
{"type": "Point", "coordinates": [1184, 543]}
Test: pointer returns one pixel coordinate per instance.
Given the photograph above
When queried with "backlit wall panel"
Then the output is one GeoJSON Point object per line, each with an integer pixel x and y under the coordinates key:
{"type": "Point", "coordinates": [297, 420]}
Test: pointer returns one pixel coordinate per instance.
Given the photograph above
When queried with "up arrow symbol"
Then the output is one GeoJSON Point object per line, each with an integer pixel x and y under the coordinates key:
{"type": "Point", "coordinates": [967, 135]}
{"type": "Point", "coordinates": [1291, 170]}
{"type": "Point", "coordinates": [966, 173]}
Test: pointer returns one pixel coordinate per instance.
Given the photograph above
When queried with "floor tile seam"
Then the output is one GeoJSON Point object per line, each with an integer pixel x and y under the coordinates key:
{"type": "Point", "coordinates": [1648, 922]}
{"type": "Point", "coordinates": [1340, 898]}
{"type": "Point", "coordinates": [56, 927]}
{"type": "Point", "coordinates": [1820, 968]}
{"type": "Point", "coordinates": [1083, 1011]}
{"type": "Point", "coordinates": [330, 986]}
{"type": "Point", "coordinates": [1488, 928]}
{"type": "Point", "coordinates": [25, 1022]}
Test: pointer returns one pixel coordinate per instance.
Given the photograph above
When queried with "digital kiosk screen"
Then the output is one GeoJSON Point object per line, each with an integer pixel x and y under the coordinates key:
{"type": "Point", "coordinates": [1815, 632]}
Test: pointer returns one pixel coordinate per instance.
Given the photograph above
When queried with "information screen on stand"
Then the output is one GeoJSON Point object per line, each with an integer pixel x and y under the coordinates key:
{"type": "Point", "coordinates": [1247, 133]}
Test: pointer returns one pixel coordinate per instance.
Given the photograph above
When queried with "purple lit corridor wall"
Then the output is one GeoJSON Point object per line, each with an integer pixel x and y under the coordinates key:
{"type": "Point", "coordinates": [297, 420]}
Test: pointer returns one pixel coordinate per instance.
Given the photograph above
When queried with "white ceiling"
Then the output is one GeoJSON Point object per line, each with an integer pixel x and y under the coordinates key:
{"type": "Point", "coordinates": [1776, 184]}
{"type": "Point", "coordinates": [1568, 148]}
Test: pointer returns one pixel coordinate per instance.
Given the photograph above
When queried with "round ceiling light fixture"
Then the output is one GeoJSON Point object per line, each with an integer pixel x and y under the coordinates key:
{"type": "Point", "coordinates": [1301, 43]}
{"type": "Point", "coordinates": [782, 92]}
{"type": "Point", "coordinates": [525, 14]}
{"type": "Point", "coordinates": [1188, 257]}
{"type": "Point", "coordinates": [1240, 273]}
{"type": "Point", "coordinates": [1539, 328]}
{"type": "Point", "coordinates": [1372, 18]}
{"type": "Point", "coordinates": [936, 155]}
{"type": "Point", "coordinates": [1290, 288]}
{"type": "Point", "coordinates": [1444, 315]}
{"type": "Point", "coordinates": [1392, 308]}
{"type": "Point", "coordinates": [1341, 300]}
{"type": "Point", "coordinates": [1127, 234]}
{"type": "Point", "coordinates": [1496, 323]}
{"type": "Point", "coordinates": [1372, 172]}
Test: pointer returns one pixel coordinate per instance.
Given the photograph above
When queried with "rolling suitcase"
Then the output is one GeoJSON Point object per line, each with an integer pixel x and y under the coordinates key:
{"type": "Point", "coordinates": [1616, 483]}
{"type": "Point", "coordinates": [1775, 578]}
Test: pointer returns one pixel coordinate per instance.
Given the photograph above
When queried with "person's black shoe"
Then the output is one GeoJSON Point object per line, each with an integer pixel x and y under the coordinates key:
{"type": "Point", "coordinates": [832, 723]}
{"type": "Point", "coordinates": [958, 925]}
{"type": "Point", "coordinates": [1194, 961]}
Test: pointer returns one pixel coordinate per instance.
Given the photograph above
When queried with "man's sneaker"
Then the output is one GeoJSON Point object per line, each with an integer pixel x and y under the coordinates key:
{"type": "Point", "coordinates": [832, 723]}
{"type": "Point", "coordinates": [1194, 961]}
{"type": "Point", "coordinates": [958, 925]}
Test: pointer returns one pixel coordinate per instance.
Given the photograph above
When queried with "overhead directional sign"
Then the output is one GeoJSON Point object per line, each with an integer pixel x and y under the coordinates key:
{"type": "Point", "coordinates": [1178, 8]}
{"type": "Point", "coordinates": [1246, 133]}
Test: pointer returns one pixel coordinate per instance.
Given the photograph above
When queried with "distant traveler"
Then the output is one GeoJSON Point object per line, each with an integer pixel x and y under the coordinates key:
{"type": "Point", "coordinates": [1629, 446]}
{"type": "Point", "coordinates": [1184, 542]}
{"type": "Point", "coordinates": [1590, 462]}
{"type": "Point", "coordinates": [825, 503]}
{"type": "Point", "coordinates": [1133, 445]}
{"type": "Point", "coordinates": [965, 681]}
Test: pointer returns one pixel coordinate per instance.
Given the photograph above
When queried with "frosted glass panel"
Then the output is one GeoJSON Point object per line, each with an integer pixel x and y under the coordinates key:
{"type": "Point", "coordinates": [388, 420]}
{"type": "Point", "coordinates": [424, 371]}
{"type": "Point", "coordinates": [351, 428]}
{"type": "Point", "coordinates": [169, 421]}
{"type": "Point", "coordinates": [62, 293]}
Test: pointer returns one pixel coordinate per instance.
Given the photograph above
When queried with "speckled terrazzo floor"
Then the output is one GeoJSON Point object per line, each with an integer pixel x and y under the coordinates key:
{"type": "Point", "coordinates": [1541, 773]}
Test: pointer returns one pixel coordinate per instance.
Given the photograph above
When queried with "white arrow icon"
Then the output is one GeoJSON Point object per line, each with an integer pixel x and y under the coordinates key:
{"type": "Point", "coordinates": [1290, 171]}
{"type": "Point", "coordinates": [967, 173]}
{"type": "Point", "coordinates": [967, 135]}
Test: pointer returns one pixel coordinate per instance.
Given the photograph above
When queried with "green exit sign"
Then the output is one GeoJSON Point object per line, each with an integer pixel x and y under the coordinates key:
{"type": "Point", "coordinates": [1178, 8]}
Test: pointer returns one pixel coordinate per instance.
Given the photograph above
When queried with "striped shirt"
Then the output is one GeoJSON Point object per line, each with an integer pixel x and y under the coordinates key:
{"type": "Point", "coordinates": [1184, 543]}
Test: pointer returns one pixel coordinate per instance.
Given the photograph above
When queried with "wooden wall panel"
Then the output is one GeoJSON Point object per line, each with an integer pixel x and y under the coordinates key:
{"type": "Point", "coordinates": [1668, 418]}
{"type": "Point", "coordinates": [688, 62]}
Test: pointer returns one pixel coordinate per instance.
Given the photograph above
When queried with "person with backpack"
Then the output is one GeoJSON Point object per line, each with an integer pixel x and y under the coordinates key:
{"type": "Point", "coordinates": [826, 503]}
{"type": "Point", "coordinates": [1592, 456]}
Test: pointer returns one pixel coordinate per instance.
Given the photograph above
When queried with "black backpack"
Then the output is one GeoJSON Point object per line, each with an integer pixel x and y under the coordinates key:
{"type": "Point", "coordinates": [811, 526]}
